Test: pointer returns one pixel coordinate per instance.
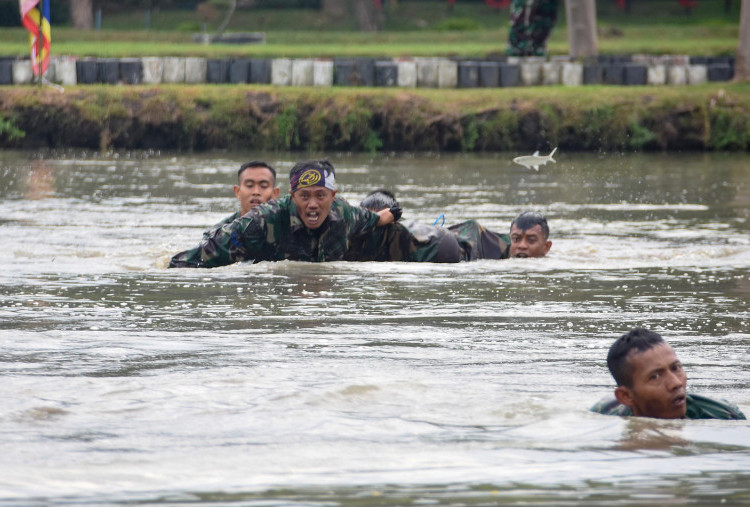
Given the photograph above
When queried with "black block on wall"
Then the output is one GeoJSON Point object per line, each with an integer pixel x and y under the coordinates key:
{"type": "Point", "coordinates": [468, 74]}
{"type": "Point", "coordinates": [260, 70]}
{"type": "Point", "coordinates": [489, 74]}
{"type": "Point", "coordinates": [86, 71]}
{"type": "Point", "coordinates": [593, 73]}
{"type": "Point", "coordinates": [131, 71]}
{"type": "Point", "coordinates": [217, 71]}
{"type": "Point", "coordinates": [239, 71]}
{"type": "Point", "coordinates": [386, 74]}
{"type": "Point", "coordinates": [108, 71]}
{"type": "Point", "coordinates": [359, 72]}
{"type": "Point", "coordinates": [720, 72]}
{"type": "Point", "coordinates": [6, 72]}
{"type": "Point", "coordinates": [510, 75]}
{"type": "Point", "coordinates": [614, 74]}
{"type": "Point", "coordinates": [635, 75]}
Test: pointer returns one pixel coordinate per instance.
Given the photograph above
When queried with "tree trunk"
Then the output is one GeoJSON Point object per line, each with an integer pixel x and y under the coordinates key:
{"type": "Point", "coordinates": [82, 14]}
{"type": "Point", "coordinates": [581, 17]}
{"type": "Point", "coordinates": [366, 15]}
{"type": "Point", "coordinates": [742, 60]}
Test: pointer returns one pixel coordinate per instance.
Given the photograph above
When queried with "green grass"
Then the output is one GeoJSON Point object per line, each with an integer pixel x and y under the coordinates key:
{"type": "Point", "coordinates": [655, 39]}
{"type": "Point", "coordinates": [705, 117]}
{"type": "Point", "coordinates": [651, 26]}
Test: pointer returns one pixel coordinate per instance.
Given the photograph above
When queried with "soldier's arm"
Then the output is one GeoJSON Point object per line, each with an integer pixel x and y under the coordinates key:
{"type": "Point", "coordinates": [363, 221]}
{"type": "Point", "coordinates": [187, 259]}
{"type": "Point", "coordinates": [238, 241]}
{"type": "Point", "coordinates": [228, 220]}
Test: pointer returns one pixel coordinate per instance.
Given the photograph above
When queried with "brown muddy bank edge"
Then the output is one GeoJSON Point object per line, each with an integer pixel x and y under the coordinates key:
{"type": "Point", "coordinates": [179, 117]}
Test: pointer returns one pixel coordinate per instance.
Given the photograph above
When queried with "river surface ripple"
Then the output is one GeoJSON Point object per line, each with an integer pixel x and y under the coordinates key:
{"type": "Point", "coordinates": [366, 383]}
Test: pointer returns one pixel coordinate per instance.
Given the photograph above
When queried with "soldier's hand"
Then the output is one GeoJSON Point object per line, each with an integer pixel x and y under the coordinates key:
{"type": "Point", "coordinates": [396, 212]}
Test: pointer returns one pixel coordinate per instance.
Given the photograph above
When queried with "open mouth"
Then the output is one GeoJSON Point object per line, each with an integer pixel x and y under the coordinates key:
{"type": "Point", "coordinates": [312, 217]}
{"type": "Point", "coordinates": [521, 255]}
{"type": "Point", "coordinates": [678, 401]}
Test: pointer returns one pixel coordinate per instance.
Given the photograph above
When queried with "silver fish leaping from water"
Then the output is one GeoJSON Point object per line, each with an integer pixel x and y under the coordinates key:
{"type": "Point", "coordinates": [535, 160]}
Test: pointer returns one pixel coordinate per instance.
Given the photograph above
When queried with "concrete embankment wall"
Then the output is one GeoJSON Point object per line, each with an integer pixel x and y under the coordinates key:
{"type": "Point", "coordinates": [264, 117]}
{"type": "Point", "coordinates": [402, 72]}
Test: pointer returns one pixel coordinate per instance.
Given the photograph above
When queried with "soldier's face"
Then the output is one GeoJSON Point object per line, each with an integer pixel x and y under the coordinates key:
{"type": "Point", "coordinates": [658, 386]}
{"type": "Point", "coordinates": [313, 205]}
{"type": "Point", "coordinates": [255, 187]}
{"type": "Point", "coordinates": [529, 242]}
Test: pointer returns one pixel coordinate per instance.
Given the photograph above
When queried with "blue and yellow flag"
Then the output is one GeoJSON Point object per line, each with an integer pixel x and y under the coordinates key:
{"type": "Point", "coordinates": [35, 17]}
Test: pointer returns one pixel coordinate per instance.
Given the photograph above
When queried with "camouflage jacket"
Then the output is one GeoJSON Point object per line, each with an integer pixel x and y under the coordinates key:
{"type": "Point", "coordinates": [273, 231]}
{"type": "Point", "coordinates": [407, 241]}
{"type": "Point", "coordinates": [191, 258]}
{"type": "Point", "coordinates": [228, 220]}
{"type": "Point", "coordinates": [477, 242]}
{"type": "Point", "coordinates": [698, 407]}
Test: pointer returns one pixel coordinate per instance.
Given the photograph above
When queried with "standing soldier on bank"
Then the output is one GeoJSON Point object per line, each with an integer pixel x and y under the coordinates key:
{"type": "Point", "coordinates": [531, 22]}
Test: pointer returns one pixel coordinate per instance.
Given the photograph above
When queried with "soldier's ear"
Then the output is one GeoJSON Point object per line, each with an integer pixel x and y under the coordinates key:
{"type": "Point", "coordinates": [276, 192]}
{"type": "Point", "coordinates": [624, 395]}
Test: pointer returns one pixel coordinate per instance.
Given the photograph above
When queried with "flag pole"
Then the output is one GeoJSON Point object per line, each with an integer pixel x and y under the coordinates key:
{"type": "Point", "coordinates": [39, 42]}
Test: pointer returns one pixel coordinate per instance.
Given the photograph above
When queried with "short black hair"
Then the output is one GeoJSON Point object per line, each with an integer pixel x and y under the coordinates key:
{"type": "Point", "coordinates": [529, 219]}
{"type": "Point", "coordinates": [379, 199]}
{"type": "Point", "coordinates": [256, 163]}
{"type": "Point", "coordinates": [639, 339]}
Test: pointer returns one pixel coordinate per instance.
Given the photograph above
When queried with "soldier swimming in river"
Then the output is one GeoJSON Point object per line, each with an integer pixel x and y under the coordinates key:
{"type": "Point", "coordinates": [410, 242]}
{"type": "Point", "coordinates": [652, 383]}
{"type": "Point", "coordinates": [310, 224]}
{"type": "Point", "coordinates": [465, 241]}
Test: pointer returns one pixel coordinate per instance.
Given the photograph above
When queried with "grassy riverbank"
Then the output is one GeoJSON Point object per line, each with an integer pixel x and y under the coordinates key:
{"type": "Point", "coordinates": [655, 39]}
{"type": "Point", "coordinates": [415, 28]}
{"type": "Point", "coordinates": [708, 117]}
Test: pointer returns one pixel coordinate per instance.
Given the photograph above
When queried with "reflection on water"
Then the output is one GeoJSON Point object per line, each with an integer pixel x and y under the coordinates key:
{"type": "Point", "coordinates": [347, 383]}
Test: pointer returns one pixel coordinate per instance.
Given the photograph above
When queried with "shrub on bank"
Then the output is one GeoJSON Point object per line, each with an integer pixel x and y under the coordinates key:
{"type": "Point", "coordinates": [710, 117]}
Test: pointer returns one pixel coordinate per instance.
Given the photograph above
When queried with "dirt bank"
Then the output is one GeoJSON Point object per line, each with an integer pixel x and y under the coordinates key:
{"type": "Point", "coordinates": [179, 117]}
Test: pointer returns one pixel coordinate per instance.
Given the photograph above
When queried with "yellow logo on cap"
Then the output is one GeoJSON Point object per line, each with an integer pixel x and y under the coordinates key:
{"type": "Point", "coordinates": [309, 178]}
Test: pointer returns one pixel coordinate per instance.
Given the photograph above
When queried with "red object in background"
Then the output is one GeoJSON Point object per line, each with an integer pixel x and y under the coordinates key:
{"type": "Point", "coordinates": [378, 4]}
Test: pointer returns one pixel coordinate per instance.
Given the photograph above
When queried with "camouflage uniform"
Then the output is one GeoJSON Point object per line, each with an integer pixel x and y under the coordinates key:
{"type": "Point", "coordinates": [407, 241]}
{"type": "Point", "coordinates": [228, 220]}
{"type": "Point", "coordinates": [191, 258]}
{"type": "Point", "coordinates": [273, 231]}
{"type": "Point", "coordinates": [477, 242]}
{"type": "Point", "coordinates": [531, 22]}
{"type": "Point", "coordinates": [698, 407]}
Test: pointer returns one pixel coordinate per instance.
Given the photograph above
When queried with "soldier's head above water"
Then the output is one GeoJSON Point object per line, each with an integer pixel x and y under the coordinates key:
{"type": "Point", "coordinates": [650, 379]}
{"type": "Point", "coordinates": [256, 184]}
{"type": "Point", "coordinates": [313, 187]}
{"type": "Point", "coordinates": [529, 235]}
{"type": "Point", "coordinates": [379, 199]}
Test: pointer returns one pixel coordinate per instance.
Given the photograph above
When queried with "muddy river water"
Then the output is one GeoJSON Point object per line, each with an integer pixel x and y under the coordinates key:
{"type": "Point", "coordinates": [367, 383]}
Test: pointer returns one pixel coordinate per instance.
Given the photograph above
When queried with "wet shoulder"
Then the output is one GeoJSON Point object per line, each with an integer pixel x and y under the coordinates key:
{"type": "Point", "coordinates": [702, 407]}
{"type": "Point", "coordinates": [272, 210]}
{"type": "Point", "coordinates": [610, 406]}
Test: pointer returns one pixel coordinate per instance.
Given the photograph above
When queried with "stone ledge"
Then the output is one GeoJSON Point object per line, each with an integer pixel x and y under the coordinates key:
{"type": "Point", "coordinates": [621, 70]}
